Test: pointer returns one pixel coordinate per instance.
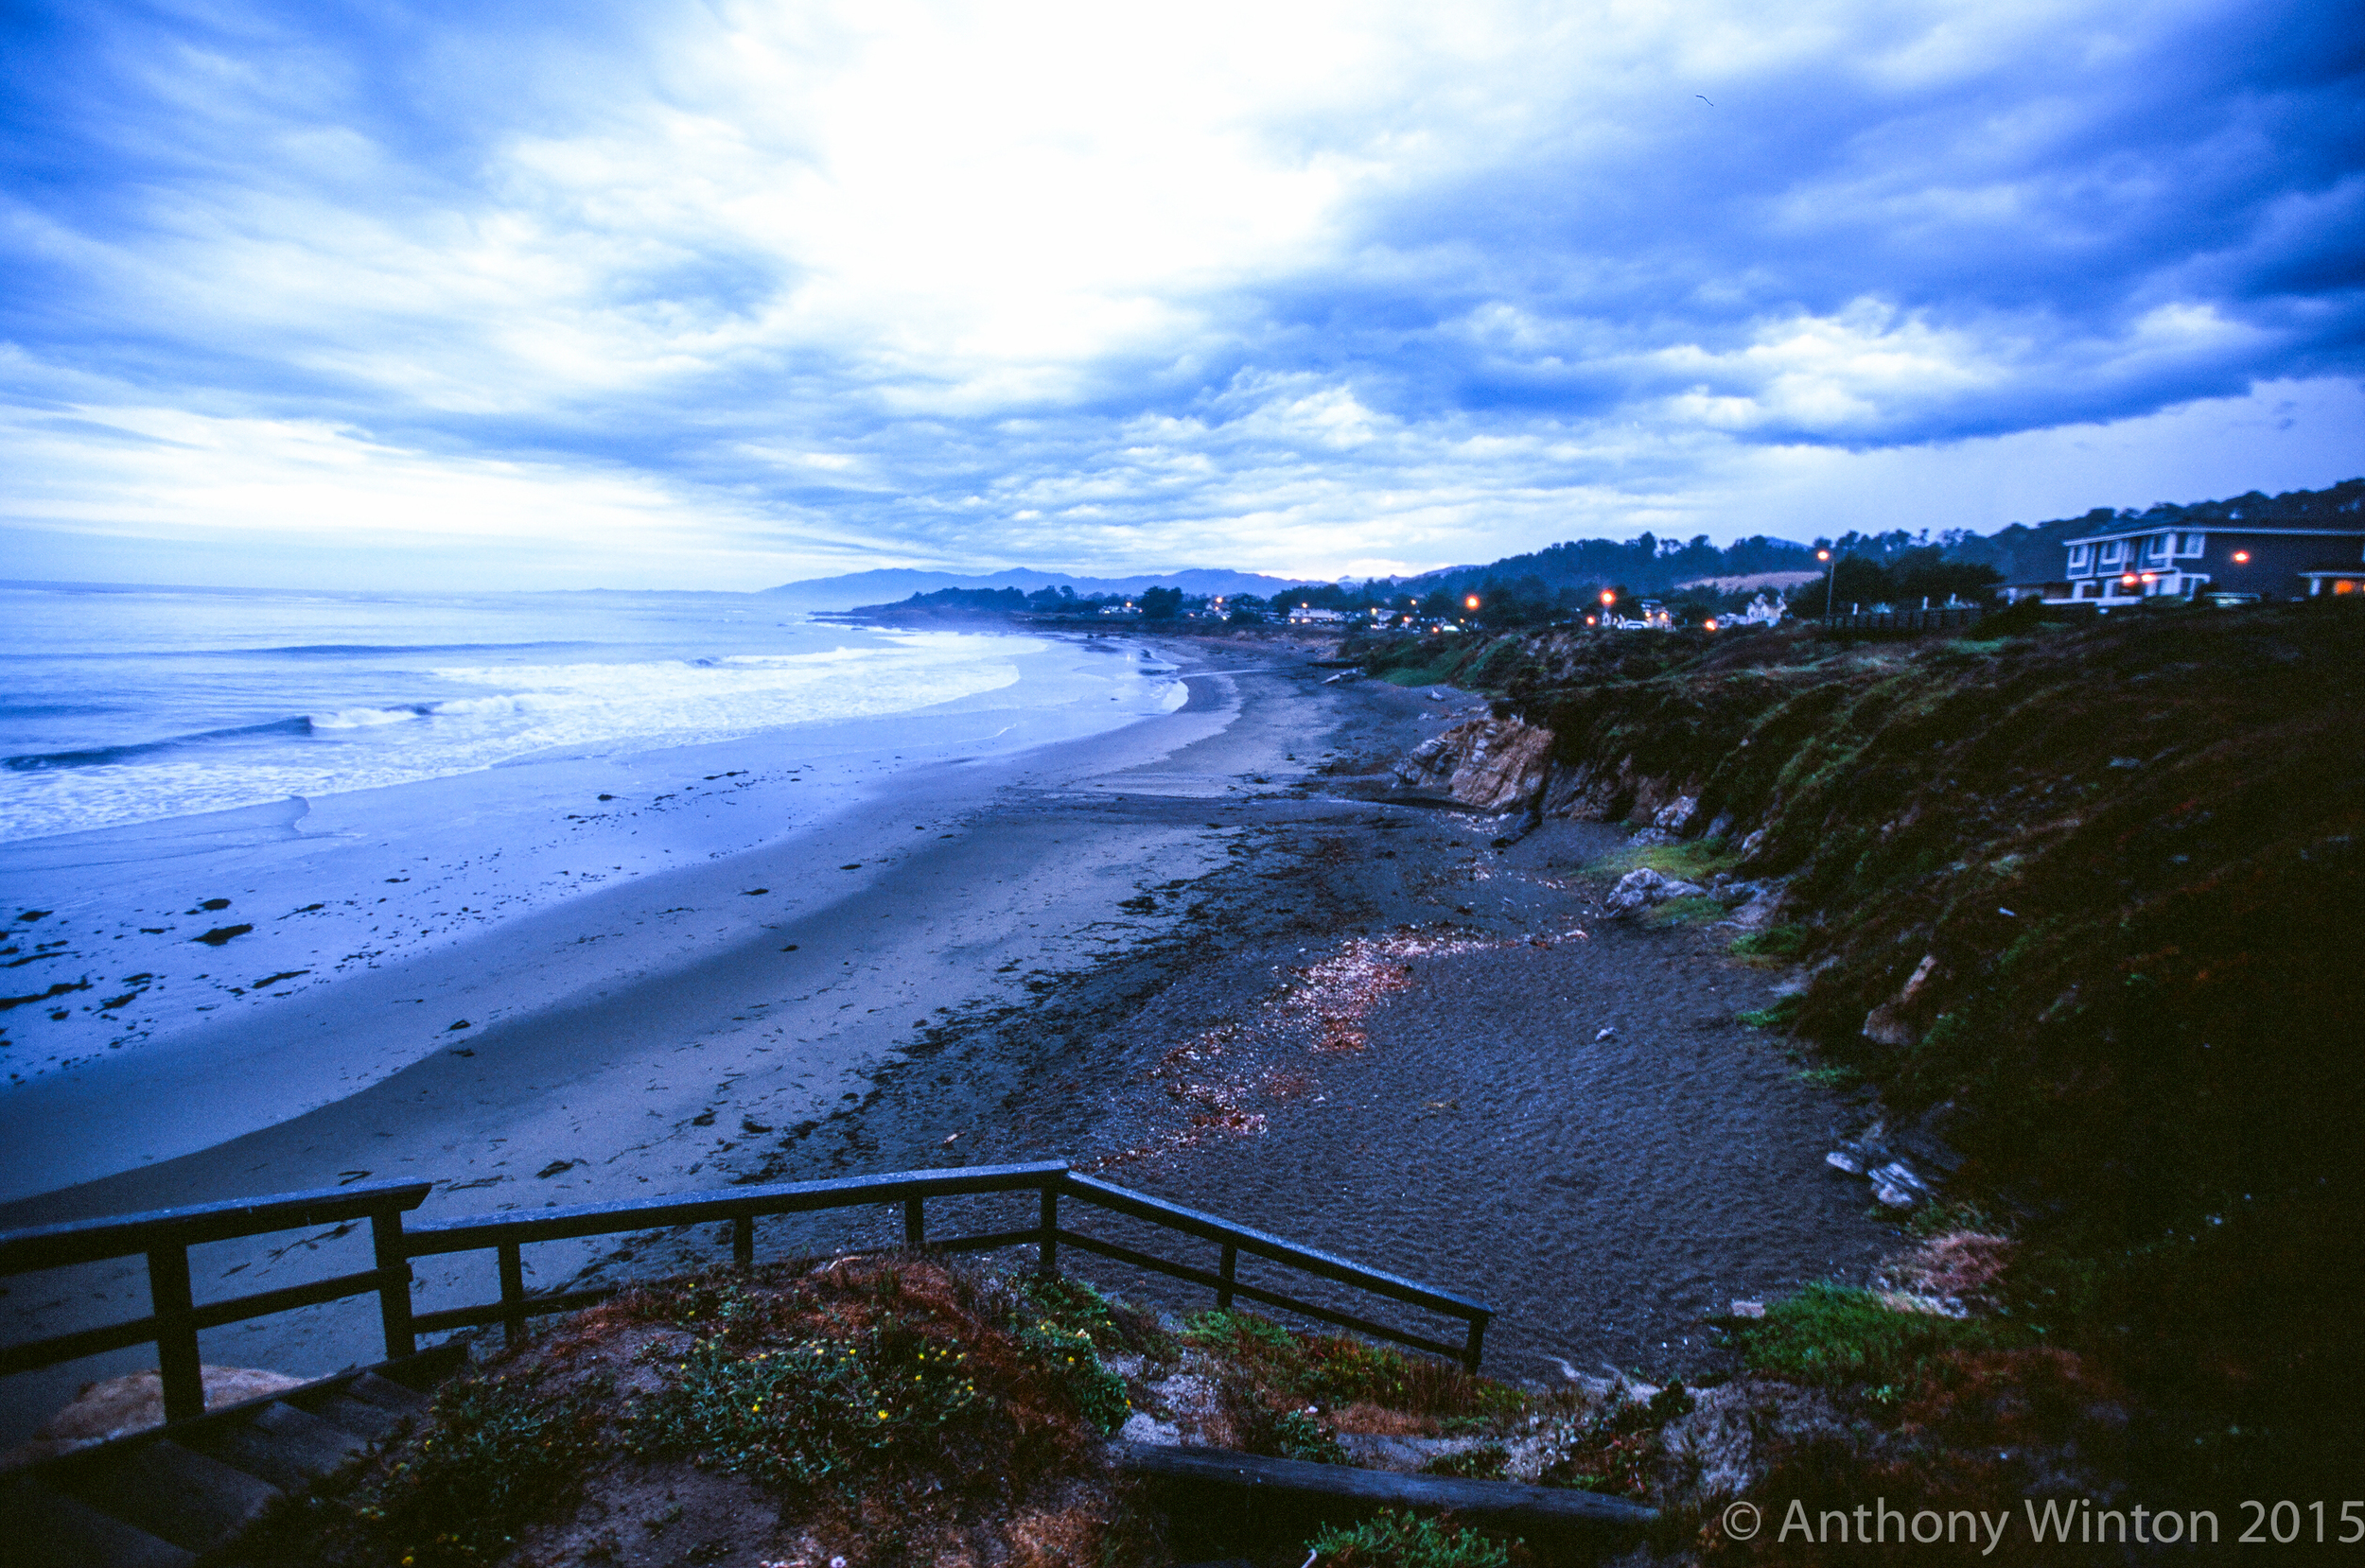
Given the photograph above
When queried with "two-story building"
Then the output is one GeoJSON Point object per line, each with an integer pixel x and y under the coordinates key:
{"type": "Point", "coordinates": [2116, 570]}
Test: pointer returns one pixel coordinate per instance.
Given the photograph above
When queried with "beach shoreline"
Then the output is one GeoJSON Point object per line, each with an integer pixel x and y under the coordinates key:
{"type": "Point", "coordinates": [1004, 981]}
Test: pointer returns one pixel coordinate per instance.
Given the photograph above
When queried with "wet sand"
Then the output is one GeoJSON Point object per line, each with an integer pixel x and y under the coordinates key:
{"type": "Point", "coordinates": [1013, 980]}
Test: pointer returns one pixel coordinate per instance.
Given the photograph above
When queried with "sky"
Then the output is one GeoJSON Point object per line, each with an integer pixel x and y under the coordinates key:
{"type": "Point", "coordinates": [719, 295]}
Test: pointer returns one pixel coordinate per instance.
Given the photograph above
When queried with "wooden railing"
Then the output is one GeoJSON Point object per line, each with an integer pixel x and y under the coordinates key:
{"type": "Point", "coordinates": [506, 1235]}
{"type": "Point", "coordinates": [165, 1236]}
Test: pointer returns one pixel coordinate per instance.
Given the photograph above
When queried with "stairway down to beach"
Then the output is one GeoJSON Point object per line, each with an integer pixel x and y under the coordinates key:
{"type": "Point", "coordinates": [177, 1495]}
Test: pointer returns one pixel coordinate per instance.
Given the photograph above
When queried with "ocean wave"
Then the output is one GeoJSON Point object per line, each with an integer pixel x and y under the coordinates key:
{"type": "Point", "coordinates": [364, 649]}
{"type": "Point", "coordinates": [99, 756]}
{"type": "Point", "coordinates": [369, 718]}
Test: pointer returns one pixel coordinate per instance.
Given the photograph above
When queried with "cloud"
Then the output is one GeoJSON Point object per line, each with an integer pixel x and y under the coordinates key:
{"type": "Point", "coordinates": [778, 289]}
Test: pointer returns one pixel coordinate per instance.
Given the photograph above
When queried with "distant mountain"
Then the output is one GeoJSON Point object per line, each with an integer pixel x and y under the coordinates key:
{"type": "Point", "coordinates": [889, 584]}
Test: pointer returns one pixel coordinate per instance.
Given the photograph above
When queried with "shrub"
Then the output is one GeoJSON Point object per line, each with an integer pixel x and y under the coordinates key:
{"type": "Point", "coordinates": [1393, 1539]}
{"type": "Point", "coordinates": [1285, 1433]}
{"type": "Point", "coordinates": [501, 1453]}
{"type": "Point", "coordinates": [1067, 1354]}
{"type": "Point", "coordinates": [809, 1412]}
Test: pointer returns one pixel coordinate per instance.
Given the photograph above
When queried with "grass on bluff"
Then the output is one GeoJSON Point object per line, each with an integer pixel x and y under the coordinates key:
{"type": "Point", "coordinates": [873, 1410]}
{"type": "Point", "coordinates": [889, 1411]}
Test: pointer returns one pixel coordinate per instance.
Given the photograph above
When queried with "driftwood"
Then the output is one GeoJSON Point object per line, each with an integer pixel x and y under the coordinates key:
{"type": "Point", "coordinates": [1510, 1502]}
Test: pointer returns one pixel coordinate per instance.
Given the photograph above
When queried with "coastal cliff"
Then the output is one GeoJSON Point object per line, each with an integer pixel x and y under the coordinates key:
{"type": "Point", "coordinates": [2070, 905]}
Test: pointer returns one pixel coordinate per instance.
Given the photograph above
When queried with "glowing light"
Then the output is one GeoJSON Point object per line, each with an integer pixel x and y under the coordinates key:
{"type": "Point", "coordinates": [1608, 598]}
{"type": "Point", "coordinates": [2241, 558]}
{"type": "Point", "coordinates": [1471, 602]}
{"type": "Point", "coordinates": [1708, 625]}
{"type": "Point", "coordinates": [1823, 555]}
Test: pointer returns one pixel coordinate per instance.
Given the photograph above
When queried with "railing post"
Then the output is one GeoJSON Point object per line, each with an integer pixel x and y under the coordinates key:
{"type": "Point", "coordinates": [513, 1294]}
{"type": "Point", "coordinates": [394, 1293]}
{"type": "Point", "coordinates": [1229, 1269]}
{"type": "Point", "coordinates": [1476, 1342]}
{"type": "Point", "coordinates": [915, 1223]}
{"type": "Point", "coordinates": [744, 1243]}
{"type": "Point", "coordinates": [1050, 1256]}
{"type": "Point", "coordinates": [176, 1332]}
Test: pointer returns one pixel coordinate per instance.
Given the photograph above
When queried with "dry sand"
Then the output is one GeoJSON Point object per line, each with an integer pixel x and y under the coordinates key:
{"type": "Point", "coordinates": [1399, 1071]}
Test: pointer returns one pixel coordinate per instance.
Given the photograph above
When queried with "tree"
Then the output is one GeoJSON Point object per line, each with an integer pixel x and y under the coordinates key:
{"type": "Point", "coordinates": [1161, 603]}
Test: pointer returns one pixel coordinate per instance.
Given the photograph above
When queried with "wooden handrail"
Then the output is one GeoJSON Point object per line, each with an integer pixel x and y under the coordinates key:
{"type": "Point", "coordinates": [1328, 1265]}
{"type": "Point", "coordinates": [121, 1235]}
{"type": "Point", "coordinates": [165, 1235]}
{"type": "Point", "coordinates": [472, 1233]}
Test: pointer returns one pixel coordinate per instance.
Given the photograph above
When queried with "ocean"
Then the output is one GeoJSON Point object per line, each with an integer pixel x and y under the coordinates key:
{"type": "Point", "coordinates": [123, 705]}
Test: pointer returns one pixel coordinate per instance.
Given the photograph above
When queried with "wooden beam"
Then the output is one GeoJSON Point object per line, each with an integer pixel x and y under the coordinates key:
{"type": "Point", "coordinates": [1510, 1502]}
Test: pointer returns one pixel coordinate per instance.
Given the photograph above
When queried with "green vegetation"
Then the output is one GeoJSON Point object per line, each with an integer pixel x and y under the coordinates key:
{"type": "Point", "coordinates": [1297, 1369]}
{"type": "Point", "coordinates": [1688, 911]}
{"type": "Point", "coordinates": [497, 1453]}
{"type": "Point", "coordinates": [1773, 943]}
{"type": "Point", "coordinates": [1393, 1539]}
{"type": "Point", "coordinates": [891, 1401]}
{"type": "Point", "coordinates": [1778, 1015]}
{"type": "Point", "coordinates": [1836, 1336]}
{"type": "Point", "coordinates": [504, 1450]}
{"type": "Point", "coordinates": [1692, 861]}
{"type": "Point", "coordinates": [814, 1411]}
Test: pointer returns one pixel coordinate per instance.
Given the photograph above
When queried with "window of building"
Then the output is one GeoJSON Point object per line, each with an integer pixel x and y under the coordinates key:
{"type": "Point", "coordinates": [2191, 543]}
{"type": "Point", "coordinates": [2090, 590]}
{"type": "Point", "coordinates": [2078, 555]}
{"type": "Point", "coordinates": [2110, 550]}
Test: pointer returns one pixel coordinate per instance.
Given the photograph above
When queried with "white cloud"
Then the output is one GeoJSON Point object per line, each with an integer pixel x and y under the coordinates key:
{"type": "Point", "coordinates": [744, 288]}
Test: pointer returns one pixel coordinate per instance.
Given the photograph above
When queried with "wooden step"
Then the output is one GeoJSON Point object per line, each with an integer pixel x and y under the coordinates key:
{"type": "Point", "coordinates": [387, 1395]}
{"type": "Point", "coordinates": [185, 1497]}
{"type": "Point", "coordinates": [282, 1445]}
{"type": "Point", "coordinates": [49, 1529]}
{"type": "Point", "coordinates": [358, 1417]}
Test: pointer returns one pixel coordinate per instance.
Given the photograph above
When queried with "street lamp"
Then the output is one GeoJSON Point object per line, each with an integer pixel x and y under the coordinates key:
{"type": "Point", "coordinates": [1830, 577]}
{"type": "Point", "coordinates": [1471, 603]}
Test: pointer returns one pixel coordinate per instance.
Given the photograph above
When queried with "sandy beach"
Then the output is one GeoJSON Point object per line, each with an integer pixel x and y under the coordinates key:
{"type": "Point", "coordinates": [1197, 952]}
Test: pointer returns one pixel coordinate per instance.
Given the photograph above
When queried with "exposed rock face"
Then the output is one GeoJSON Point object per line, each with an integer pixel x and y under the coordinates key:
{"type": "Point", "coordinates": [1639, 890]}
{"type": "Point", "coordinates": [1890, 1024]}
{"type": "Point", "coordinates": [1905, 1165]}
{"type": "Point", "coordinates": [1494, 764]}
